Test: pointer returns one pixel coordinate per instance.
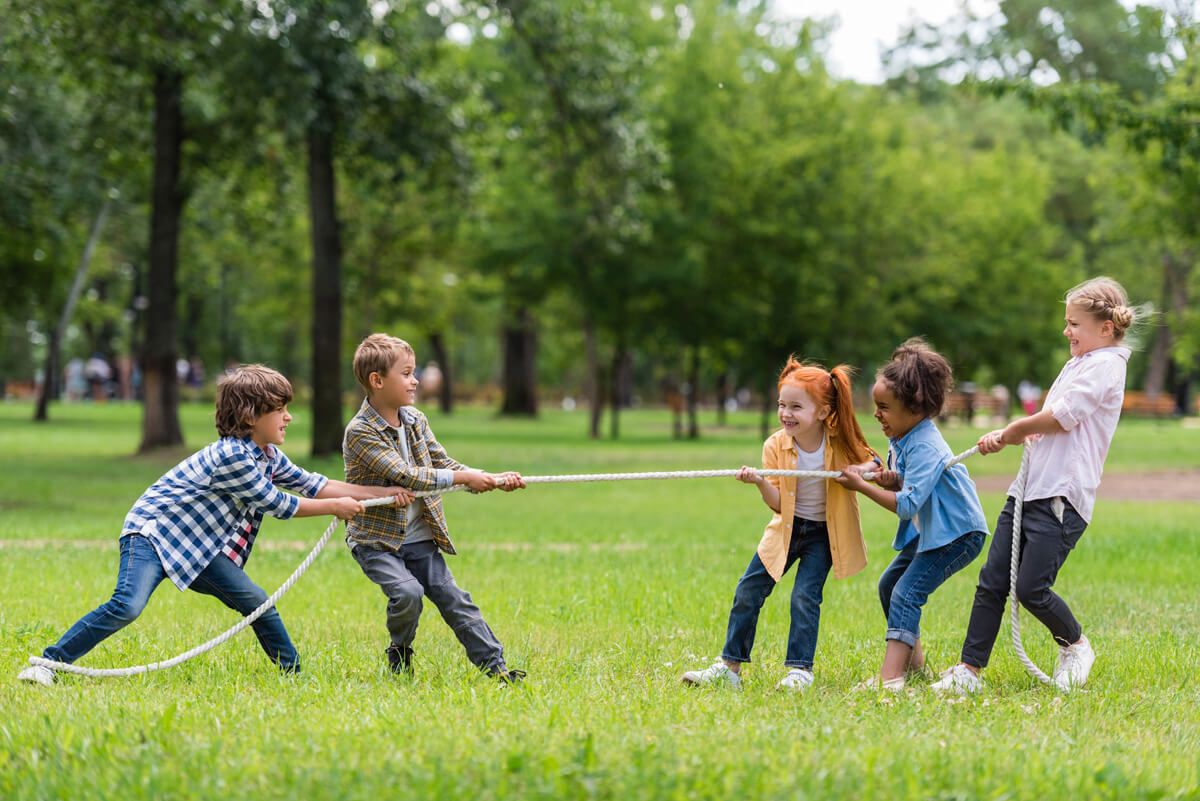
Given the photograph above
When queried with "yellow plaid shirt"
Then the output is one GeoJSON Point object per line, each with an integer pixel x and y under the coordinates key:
{"type": "Point", "coordinates": [374, 457]}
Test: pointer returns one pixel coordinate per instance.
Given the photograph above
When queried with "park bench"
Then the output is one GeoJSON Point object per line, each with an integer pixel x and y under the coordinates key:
{"type": "Point", "coordinates": [1141, 404]}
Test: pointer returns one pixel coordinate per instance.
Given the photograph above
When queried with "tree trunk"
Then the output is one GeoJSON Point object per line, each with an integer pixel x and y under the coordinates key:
{"type": "Point", "coordinates": [520, 364]}
{"type": "Point", "coordinates": [620, 369]}
{"type": "Point", "coordinates": [767, 399]}
{"type": "Point", "coordinates": [445, 391]}
{"type": "Point", "coordinates": [722, 396]}
{"type": "Point", "coordinates": [693, 394]}
{"type": "Point", "coordinates": [592, 382]}
{"type": "Point", "coordinates": [50, 374]}
{"type": "Point", "coordinates": [326, 286]}
{"type": "Point", "coordinates": [160, 391]}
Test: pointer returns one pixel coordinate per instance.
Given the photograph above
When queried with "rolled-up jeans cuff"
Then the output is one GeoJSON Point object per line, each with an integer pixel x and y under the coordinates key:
{"type": "Point", "coordinates": [906, 637]}
{"type": "Point", "coordinates": [797, 664]}
{"type": "Point", "coordinates": [741, 660]}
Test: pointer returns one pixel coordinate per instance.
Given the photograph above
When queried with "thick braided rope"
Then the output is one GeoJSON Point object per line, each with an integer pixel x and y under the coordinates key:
{"type": "Point", "coordinates": [1014, 563]}
{"type": "Point", "coordinates": [220, 639]}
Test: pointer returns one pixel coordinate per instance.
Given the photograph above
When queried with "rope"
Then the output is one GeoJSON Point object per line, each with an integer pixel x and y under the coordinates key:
{"type": "Point", "coordinates": [1014, 563]}
{"type": "Point", "coordinates": [587, 477]}
{"type": "Point", "coordinates": [66, 667]}
{"type": "Point", "coordinates": [560, 479]}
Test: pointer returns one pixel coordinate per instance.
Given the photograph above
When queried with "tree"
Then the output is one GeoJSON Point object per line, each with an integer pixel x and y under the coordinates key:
{"type": "Point", "coordinates": [316, 61]}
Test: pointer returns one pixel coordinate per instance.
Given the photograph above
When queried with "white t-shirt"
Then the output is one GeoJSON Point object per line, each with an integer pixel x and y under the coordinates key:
{"type": "Point", "coordinates": [810, 492]}
{"type": "Point", "coordinates": [1085, 399]}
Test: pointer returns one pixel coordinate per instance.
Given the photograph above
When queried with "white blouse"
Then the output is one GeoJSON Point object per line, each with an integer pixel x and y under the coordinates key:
{"type": "Point", "coordinates": [1086, 400]}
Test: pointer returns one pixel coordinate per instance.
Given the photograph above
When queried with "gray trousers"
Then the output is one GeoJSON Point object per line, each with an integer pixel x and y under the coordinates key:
{"type": "Point", "coordinates": [419, 571]}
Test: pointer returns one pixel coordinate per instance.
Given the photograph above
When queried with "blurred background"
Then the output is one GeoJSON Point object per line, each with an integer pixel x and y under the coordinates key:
{"type": "Point", "coordinates": [590, 204]}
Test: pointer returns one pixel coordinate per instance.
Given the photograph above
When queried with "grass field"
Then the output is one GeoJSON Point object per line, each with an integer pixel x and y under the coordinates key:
{"type": "Point", "coordinates": [605, 593]}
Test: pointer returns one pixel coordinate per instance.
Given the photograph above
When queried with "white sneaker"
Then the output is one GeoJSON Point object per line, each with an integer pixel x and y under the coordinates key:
{"type": "Point", "coordinates": [958, 679]}
{"type": "Point", "coordinates": [37, 674]}
{"type": "Point", "coordinates": [717, 672]}
{"type": "Point", "coordinates": [796, 679]}
{"type": "Point", "coordinates": [1074, 665]}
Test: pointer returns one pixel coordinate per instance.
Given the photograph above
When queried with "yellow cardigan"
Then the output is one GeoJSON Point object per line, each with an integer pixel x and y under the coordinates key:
{"type": "Point", "coordinates": [841, 508]}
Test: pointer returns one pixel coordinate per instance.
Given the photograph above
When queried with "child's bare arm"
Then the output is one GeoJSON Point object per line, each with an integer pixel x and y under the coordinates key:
{"type": "Point", "coordinates": [769, 492]}
{"type": "Point", "coordinates": [480, 481]}
{"type": "Point", "coordinates": [341, 489]}
{"type": "Point", "coordinates": [1017, 431]}
{"type": "Point", "coordinates": [852, 479]}
{"type": "Point", "coordinates": [345, 508]}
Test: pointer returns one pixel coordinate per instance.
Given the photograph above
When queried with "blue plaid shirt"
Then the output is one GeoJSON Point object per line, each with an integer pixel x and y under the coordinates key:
{"type": "Point", "coordinates": [222, 491]}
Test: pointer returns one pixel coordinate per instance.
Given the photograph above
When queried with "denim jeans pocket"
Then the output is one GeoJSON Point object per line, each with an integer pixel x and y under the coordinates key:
{"type": "Point", "coordinates": [969, 547]}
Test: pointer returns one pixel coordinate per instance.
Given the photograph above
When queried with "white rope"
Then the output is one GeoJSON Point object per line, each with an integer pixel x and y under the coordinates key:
{"type": "Point", "coordinates": [586, 477]}
{"type": "Point", "coordinates": [308, 560]}
{"type": "Point", "coordinates": [1014, 563]}
{"type": "Point", "coordinates": [66, 667]}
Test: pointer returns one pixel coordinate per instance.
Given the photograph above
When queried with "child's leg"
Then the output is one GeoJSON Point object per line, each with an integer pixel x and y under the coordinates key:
{"type": "Point", "coordinates": [752, 590]}
{"type": "Point", "coordinates": [458, 610]}
{"type": "Point", "coordinates": [991, 594]}
{"type": "Point", "coordinates": [138, 574]}
{"type": "Point", "coordinates": [892, 574]}
{"type": "Point", "coordinates": [402, 589]}
{"type": "Point", "coordinates": [810, 544]}
{"type": "Point", "coordinates": [1048, 541]}
{"type": "Point", "coordinates": [230, 585]}
{"type": "Point", "coordinates": [927, 571]}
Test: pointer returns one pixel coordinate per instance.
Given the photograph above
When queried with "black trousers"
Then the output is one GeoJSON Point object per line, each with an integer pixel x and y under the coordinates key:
{"type": "Point", "coordinates": [1045, 541]}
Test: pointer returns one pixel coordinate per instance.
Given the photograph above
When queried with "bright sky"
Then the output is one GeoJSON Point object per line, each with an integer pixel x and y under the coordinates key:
{"type": "Point", "coordinates": [868, 26]}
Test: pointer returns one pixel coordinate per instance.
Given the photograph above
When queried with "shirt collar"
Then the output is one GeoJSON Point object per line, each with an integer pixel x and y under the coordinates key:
{"type": "Point", "coordinates": [1120, 351]}
{"type": "Point", "coordinates": [260, 454]}
{"type": "Point", "coordinates": [900, 442]}
{"type": "Point", "coordinates": [372, 415]}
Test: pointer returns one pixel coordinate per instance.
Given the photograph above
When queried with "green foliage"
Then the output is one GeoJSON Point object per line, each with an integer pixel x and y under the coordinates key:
{"type": "Point", "coordinates": [645, 181]}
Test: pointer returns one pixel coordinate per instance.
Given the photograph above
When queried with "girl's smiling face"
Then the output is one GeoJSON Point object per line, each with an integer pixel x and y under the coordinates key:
{"type": "Point", "coordinates": [894, 417]}
{"type": "Point", "coordinates": [1084, 332]}
{"type": "Point", "coordinates": [800, 416]}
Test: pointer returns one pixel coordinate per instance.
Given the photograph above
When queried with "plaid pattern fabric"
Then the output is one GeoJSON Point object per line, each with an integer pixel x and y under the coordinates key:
{"type": "Point", "coordinates": [373, 457]}
{"type": "Point", "coordinates": [219, 493]}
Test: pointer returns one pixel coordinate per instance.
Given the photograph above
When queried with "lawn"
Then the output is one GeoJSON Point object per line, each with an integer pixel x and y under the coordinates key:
{"type": "Point", "coordinates": [605, 593]}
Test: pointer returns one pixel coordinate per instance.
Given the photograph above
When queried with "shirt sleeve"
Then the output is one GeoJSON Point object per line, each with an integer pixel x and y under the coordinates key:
{"type": "Point", "coordinates": [770, 461]}
{"type": "Point", "coordinates": [237, 475]}
{"type": "Point", "coordinates": [290, 475]}
{"type": "Point", "coordinates": [922, 469]}
{"type": "Point", "coordinates": [369, 448]}
{"type": "Point", "coordinates": [438, 455]}
{"type": "Point", "coordinates": [1084, 393]}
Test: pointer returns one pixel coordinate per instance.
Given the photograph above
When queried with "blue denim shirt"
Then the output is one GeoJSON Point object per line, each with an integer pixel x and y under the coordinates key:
{"type": "Point", "coordinates": [936, 505]}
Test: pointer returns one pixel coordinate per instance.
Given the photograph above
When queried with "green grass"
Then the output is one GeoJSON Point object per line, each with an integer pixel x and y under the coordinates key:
{"type": "Point", "coordinates": [605, 593]}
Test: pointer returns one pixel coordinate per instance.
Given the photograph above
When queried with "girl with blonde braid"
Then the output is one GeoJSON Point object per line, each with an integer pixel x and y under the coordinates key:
{"type": "Point", "coordinates": [1068, 441]}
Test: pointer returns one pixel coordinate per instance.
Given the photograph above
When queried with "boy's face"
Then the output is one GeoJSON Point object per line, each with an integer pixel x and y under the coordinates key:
{"type": "Point", "coordinates": [399, 387]}
{"type": "Point", "coordinates": [271, 428]}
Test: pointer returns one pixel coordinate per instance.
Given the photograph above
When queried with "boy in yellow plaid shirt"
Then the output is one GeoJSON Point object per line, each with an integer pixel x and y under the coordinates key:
{"type": "Point", "coordinates": [388, 443]}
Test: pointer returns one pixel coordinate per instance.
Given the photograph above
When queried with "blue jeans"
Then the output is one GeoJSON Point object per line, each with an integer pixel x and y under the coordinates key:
{"type": "Point", "coordinates": [139, 574]}
{"type": "Point", "coordinates": [912, 577]}
{"type": "Point", "coordinates": [810, 549]}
